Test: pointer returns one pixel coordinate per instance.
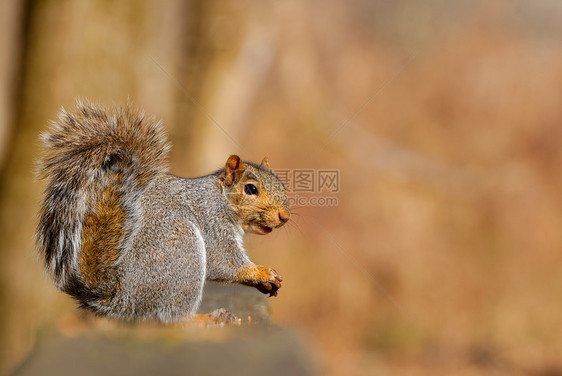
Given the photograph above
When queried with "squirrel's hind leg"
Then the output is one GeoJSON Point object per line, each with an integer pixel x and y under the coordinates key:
{"type": "Point", "coordinates": [164, 272]}
{"type": "Point", "coordinates": [218, 317]}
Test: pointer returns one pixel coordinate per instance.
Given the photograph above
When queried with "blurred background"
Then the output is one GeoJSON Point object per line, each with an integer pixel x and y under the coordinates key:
{"type": "Point", "coordinates": [443, 254]}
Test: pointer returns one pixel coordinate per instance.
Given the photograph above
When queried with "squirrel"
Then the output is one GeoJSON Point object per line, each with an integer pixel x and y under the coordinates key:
{"type": "Point", "coordinates": [130, 241]}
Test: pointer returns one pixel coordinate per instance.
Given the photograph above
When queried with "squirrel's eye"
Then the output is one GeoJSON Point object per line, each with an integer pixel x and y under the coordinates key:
{"type": "Point", "coordinates": [250, 189]}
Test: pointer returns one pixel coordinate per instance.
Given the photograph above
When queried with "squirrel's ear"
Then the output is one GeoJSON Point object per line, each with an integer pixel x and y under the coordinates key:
{"type": "Point", "coordinates": [233, 164]}
{"type": "Point", "coordinates": [265, 163]}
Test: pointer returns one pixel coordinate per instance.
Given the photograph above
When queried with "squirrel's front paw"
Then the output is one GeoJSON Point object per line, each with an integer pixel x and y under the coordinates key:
{"type": "Point", "coordinates": [261, 277]}
{"type": "Point", "coordinates": [268, 281]}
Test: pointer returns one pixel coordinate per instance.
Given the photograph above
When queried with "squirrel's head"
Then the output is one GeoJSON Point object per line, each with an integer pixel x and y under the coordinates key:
{"type": "Point", "coordinates": [255, 194]}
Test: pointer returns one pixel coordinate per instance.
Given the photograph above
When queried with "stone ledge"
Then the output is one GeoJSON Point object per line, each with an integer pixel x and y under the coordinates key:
{"type": "Point", "coordinates": [255, 348]}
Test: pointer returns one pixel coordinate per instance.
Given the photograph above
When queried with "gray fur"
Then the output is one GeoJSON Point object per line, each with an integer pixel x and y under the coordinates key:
{"type": "Point", "coordinates": [177, 232]}
{"type": "Point", "coordinates": [196, 232]}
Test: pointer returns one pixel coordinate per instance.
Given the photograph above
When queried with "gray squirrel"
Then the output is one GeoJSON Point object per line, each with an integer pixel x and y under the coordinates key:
{"type": "Point", "coordinates": [130, 241]}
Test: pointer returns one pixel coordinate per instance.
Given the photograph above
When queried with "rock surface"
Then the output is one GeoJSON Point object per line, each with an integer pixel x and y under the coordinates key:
{"type": "Point", "coordinates": [256, 347]}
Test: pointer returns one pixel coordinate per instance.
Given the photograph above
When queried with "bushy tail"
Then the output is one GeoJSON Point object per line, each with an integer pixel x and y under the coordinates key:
{"type": "Point", "coordinates": [97, 162]}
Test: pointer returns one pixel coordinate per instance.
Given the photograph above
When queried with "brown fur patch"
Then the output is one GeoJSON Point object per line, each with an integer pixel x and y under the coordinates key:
{"type": "Point", "coordinates": [102, 235]}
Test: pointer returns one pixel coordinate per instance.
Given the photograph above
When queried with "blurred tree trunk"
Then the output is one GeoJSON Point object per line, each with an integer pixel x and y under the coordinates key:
{"type": "Point", "coordinates": [12, 20]}
{"type": "Point", "coordinates": [239, 51]}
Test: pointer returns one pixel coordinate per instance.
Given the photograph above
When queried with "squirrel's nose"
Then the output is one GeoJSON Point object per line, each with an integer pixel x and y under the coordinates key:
{"type": "Point", "coordinates": [284, 215]}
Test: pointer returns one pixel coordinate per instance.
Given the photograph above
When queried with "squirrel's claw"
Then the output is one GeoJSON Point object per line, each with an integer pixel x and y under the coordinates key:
{"type": "Point", "coordinates": [268, 288]}
{"type": "Point", "coordinates": [270, 282]}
